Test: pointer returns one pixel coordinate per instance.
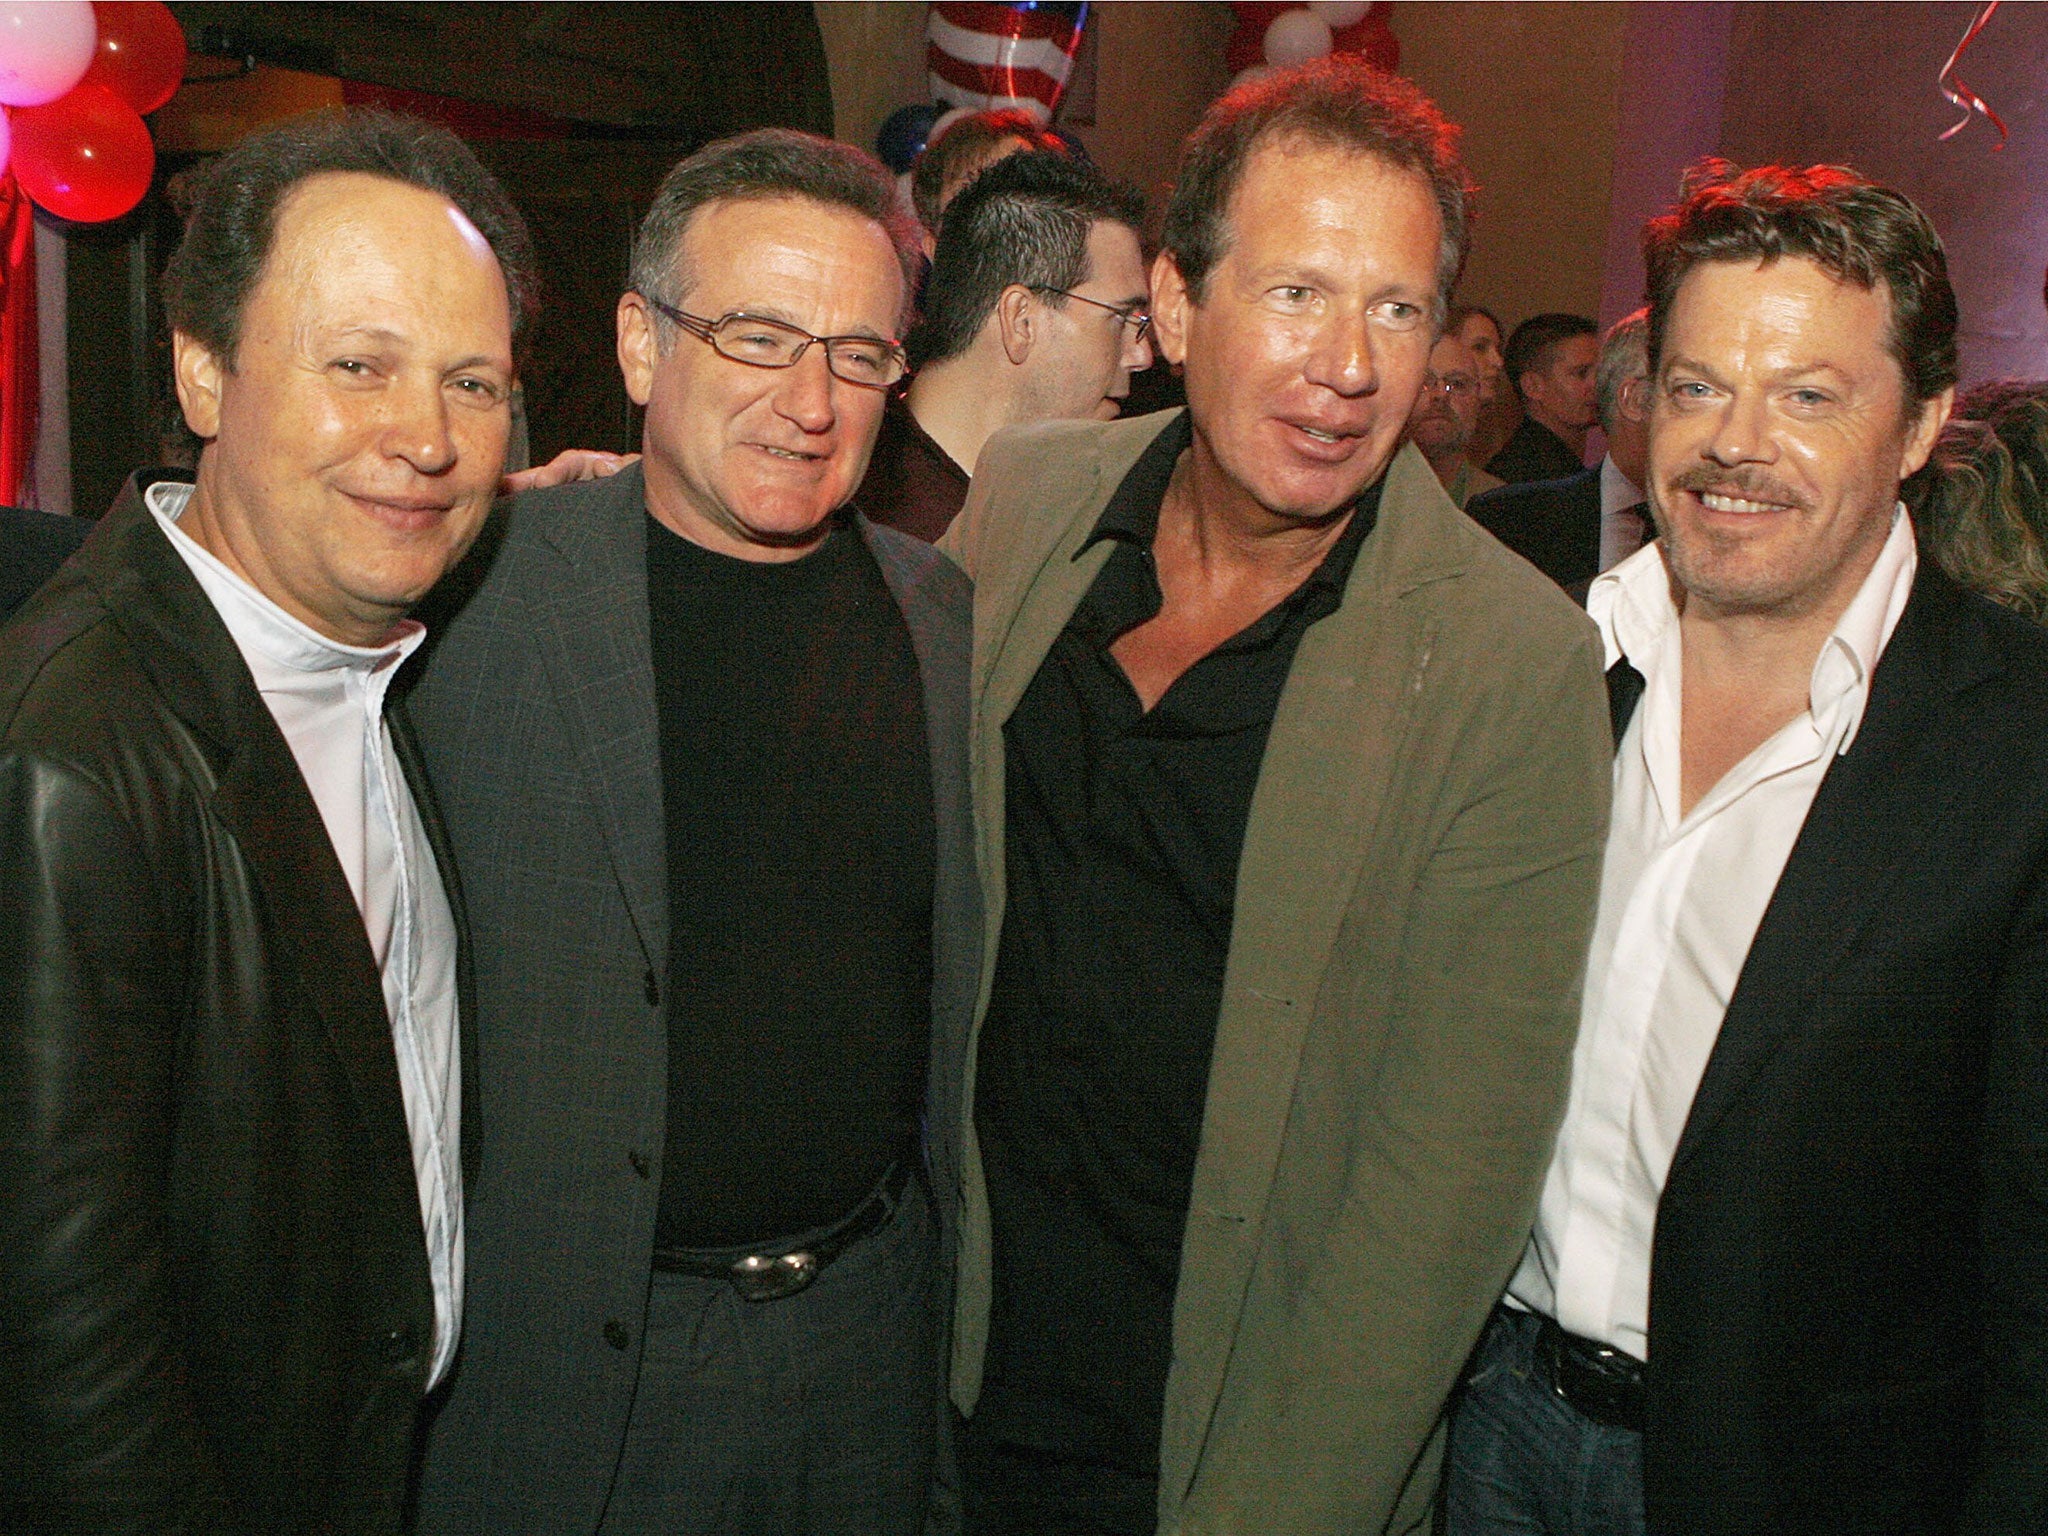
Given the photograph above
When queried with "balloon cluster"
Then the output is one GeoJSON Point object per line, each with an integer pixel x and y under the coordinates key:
{"type": "Point", "coordinates": [1272, 37]}
{"type": "Point", "coordinates": [76, 78]}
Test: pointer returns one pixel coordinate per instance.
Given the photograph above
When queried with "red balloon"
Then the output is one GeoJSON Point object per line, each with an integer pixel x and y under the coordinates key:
{"type": "Point", "coordinates": [85, 156]}
{"type": "Point", "coordinates": [140, 56]}
{"type": "Point", "coordinates": [1372, 40]}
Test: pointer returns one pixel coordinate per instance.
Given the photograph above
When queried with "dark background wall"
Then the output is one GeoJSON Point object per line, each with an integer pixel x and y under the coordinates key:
{"type": "Point", "coordinates": [579, 109]}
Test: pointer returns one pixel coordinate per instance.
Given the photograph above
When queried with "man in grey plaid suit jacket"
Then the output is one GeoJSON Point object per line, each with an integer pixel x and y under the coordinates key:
{"type": "Point", "coordinates": [701, 733]}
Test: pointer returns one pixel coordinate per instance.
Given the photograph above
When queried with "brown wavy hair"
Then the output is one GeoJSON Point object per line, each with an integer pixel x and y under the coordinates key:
{"type": "Point", "coordinates": [1981, 504]}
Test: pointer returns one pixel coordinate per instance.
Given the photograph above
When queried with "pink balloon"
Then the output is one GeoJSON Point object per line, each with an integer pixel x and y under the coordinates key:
{"type": "Point", "coordinates": [45, 48]}
{"type": "Point", "coordinates": [1295, 37]}
{"type": "Point", "coordinates": [6, 135]}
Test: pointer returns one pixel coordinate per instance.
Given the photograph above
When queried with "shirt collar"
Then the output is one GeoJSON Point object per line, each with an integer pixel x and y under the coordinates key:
{"type": "Point", "coordinates": [1617, 492]}
{"type": "Point", "coordinates": [1637, 619]}
{"type": "Point", "coordinates": [1132, 515]}
{"type": "Point", "coordinates": [257, 622]}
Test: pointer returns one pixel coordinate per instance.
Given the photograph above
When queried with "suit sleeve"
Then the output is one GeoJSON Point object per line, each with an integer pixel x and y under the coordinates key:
{"type": "Point", "coordinates": [1452, 1139]}
{"type": "Point", "coordinates": [97, 1430]}
{"type": "Point", "coordinates": [2010, 1492]}
{"type": "Point", "coordinates": [1004, 462]}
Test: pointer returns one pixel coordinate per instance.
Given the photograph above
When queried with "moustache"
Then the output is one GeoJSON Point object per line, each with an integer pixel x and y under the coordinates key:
{"type": "Point", "coordinates": [1742, 483]}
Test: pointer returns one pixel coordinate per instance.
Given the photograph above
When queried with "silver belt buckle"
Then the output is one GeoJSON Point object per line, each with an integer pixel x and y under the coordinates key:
{"type": "Point", "coordinates": [759, 1277]}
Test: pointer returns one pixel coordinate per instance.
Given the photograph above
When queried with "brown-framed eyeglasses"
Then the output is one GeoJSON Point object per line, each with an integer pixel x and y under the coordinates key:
{"type": "Point", "coordinates": [872, 362]}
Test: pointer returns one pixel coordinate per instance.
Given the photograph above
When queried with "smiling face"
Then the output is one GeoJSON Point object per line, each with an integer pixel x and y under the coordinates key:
{"type": "Point", "coordinates": [355, 445]}
{"type": "Point", "coordinates": [1780, 428]}
{"type": "Point", "coordinates": [1081, 364]}
{"type": "Point", "coordinates": [1307, 350]}
{"type": "Point", "coordinates": [752, 461]}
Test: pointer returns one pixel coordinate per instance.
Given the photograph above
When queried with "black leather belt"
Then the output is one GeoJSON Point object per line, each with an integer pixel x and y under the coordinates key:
{"type": "Point", "coordinates": [770, 1275]}
{"type": "Point", "coordinates": [1604, 1384]}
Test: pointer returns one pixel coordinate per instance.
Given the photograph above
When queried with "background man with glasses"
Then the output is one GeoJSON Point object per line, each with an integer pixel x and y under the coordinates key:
{"type": "Point", "coordinates": [702, 733]}
{"type": "Point", "coordinates": [1034, 311]}
{"type": "Point", "coordinates": [1446, 415]}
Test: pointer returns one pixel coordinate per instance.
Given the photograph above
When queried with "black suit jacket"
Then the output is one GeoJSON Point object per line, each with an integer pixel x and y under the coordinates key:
{"type": "Point", "coordinates": [1849, 1278]}
{"type": "Point", "coordinates": [536, 711]}
{"type": "Point", "coordinates": [215, 1306]}
{"type": "Point", "coordinates": [32, 545]}
{"type": "Point", "coordinates": [1552, 524]}
{"type": "Point", "coordinates": [1533, 453]}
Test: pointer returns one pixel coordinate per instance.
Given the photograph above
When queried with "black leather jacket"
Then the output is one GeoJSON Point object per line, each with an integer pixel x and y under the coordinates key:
{"type": "Point", "coordinates": [215, 1306]}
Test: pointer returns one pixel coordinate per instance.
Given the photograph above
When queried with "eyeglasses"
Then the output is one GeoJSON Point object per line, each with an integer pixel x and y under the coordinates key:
{"type": "Point", "coordinates": [1127, 314]}
{"type": "Point", "coordinates": [1459, 386]}
{"type": "Point", "coordinates": [872, 362]}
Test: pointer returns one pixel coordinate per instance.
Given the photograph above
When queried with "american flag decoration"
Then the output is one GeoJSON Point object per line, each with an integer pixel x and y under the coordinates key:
{"type": "Point", "coordinates": [991, 57]}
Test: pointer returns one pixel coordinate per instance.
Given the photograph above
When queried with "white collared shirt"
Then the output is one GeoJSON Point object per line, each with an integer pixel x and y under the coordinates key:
{"type": "Point", "coordinates": [328, 700]}
{"type": "Point", "coordinates": [1622, 528]}
{"type": "Point", "coordinates": [1680, 900]}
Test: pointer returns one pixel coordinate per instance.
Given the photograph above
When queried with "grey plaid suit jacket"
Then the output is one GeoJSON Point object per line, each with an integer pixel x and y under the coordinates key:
{"type": "Point", "coordinates": [536, 715]}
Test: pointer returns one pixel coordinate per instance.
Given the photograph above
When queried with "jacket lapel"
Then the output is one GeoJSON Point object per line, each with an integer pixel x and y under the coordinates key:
{"type": "Point", "coordinates": [1322, 786]}
{"type": "Point", "coordinates": [317, 934]}
{"type": "Point", "coordinates": [1874, 810]}
{"type": "Point", "coordinates": [943, 658]}
{"type": "Point", "coordinates": [591, 612]}
{"type": "Point", "coordinates": [406, 745]}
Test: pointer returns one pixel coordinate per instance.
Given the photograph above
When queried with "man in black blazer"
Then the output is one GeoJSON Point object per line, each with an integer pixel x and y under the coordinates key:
{"type": "Point", "coordinates": [32, 545]}
{"type": "Point", "coordinates": [701, 734]}
{"type": "Point", "coordinates": [1790, 1268]}
{"type": "Point", "coordinates": [230, 1073]}
{"type": "Point", "coordinates": [1572, 529]}
{"type": "Point", "coordinates": [1550, 360]}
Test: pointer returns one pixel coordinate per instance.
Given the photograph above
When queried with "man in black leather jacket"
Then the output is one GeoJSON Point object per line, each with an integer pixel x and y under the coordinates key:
{"type": "Point", "coordinates": [230, 1082]}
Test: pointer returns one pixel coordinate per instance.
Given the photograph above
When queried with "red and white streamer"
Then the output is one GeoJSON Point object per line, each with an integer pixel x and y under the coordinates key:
{"type": "Point", "coordinates": [995, 57]}
{"type": "Point", "coordinates": [1953, 88]}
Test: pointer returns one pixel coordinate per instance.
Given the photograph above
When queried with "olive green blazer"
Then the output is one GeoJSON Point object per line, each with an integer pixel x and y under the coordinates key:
{"type": "Point", "coordinates": [1391, 1058]}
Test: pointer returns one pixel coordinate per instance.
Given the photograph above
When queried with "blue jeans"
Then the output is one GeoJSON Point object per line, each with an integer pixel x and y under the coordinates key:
{"type": "Point", "coordinates": [1523, 1461]}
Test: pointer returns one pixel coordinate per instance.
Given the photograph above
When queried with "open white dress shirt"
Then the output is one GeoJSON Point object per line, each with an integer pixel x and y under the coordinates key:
{"type": "Point", "coordinates": [1680, 900]}
{"type": "Point", "coordinates": [328, 700]}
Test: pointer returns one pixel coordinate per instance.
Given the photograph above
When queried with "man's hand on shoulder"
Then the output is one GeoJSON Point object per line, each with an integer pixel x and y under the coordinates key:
{"type": "Point", "coordinates": [565, 468]}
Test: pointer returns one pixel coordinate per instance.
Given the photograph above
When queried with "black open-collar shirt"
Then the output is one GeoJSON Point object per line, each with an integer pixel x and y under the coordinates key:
{"type": "Point", "coordinates": [1124, 829]}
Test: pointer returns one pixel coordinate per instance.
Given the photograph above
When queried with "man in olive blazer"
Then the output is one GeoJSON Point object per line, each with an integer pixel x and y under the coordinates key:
{"type": "Point", "coordinates": [1411, 914]}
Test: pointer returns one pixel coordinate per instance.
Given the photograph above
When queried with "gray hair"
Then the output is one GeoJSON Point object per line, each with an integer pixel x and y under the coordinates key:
{"type": "Point", "coordinates": [1624, 355]}
{"type": "Point", "coordinates": [769, 163]}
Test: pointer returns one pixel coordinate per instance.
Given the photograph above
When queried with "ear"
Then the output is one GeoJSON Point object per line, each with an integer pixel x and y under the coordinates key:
{"type": "Point", "coordinates": [1634, 399]}
{"type": "Point", "coordinates": [198, 374]}
{"type": "Point", "coordinates": [1170, 306]}
{"type": "Point", "coordinates": [1016, 313]}
{"type": "Point", "coordinates": [638, 353]}
{"type": "Point", "coordinates": [1922, 431]}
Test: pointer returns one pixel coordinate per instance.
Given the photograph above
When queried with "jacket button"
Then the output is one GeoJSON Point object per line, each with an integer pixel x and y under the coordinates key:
{"type": "Point", "coordinates": [652, 990]}
{"type": "Point", "coordinates": [639, 1161]}
{"type": "Point", "coordinates": [396, 1345]}
{"type": "Point", "coordinates": [615, 1334]}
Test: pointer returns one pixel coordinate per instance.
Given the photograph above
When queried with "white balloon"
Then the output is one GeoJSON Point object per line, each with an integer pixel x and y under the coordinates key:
{"type": "Point", "coordinates": [1248, 75]}
{"type": "Point", "coordinates": [943, 121]}
{"type": "Point", "coordinates": [45, 48]}
{"type": "Point", "coordinates": [1295, 37]}
{"type": "Point", "coordinates": [1340, 13]}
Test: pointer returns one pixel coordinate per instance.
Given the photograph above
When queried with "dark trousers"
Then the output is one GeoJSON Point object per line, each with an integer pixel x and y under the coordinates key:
{"type": "Point", "coordinates": [812, 1415]}
{"type": "Point", "coordinates": [1011, 1491]}
{"type": "Point", "coordinates": [1524, 1462]}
